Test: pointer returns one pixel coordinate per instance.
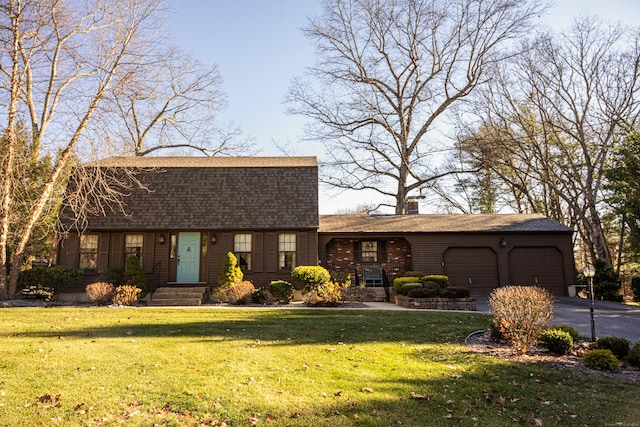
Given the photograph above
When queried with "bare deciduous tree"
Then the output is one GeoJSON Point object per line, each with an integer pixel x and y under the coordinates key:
{"type": "Point", "coordinates": [551, 118]}
{"type": "Point", "coordinates": [388, 72]}
{"type": "Point", "coordinates": [170, 104]}
{"type": "Point", "coordinates": [59, 60]}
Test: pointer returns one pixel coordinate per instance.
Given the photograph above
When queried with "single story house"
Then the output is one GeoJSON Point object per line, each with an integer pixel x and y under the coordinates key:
{"type": "Point", "coordinates": [479, 252]}
{"type": "Point", "coordinates": [191, 211]}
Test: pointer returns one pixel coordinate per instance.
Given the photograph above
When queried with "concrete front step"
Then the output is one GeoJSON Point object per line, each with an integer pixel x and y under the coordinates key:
{"type": "Point", "coordinates": [177, 296]}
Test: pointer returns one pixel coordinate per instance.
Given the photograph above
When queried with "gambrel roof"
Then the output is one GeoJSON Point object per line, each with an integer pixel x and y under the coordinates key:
{"type": "Point", "coordinates": [194, 193]}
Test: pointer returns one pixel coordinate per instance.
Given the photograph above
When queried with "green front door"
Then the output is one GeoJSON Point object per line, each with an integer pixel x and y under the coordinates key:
{"type": "Point", "coordinates": [188, 257]}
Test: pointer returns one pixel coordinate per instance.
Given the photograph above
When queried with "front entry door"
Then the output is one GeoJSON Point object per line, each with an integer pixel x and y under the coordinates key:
{"type": "Point", "coordinates": [188, 257]}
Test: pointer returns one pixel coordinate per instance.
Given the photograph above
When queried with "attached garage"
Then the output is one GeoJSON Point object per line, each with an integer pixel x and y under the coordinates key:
{"type": "Point", "coordinates": [540, 266]}
{"type": "Point", "coordinates": [473, 268]}
{"type": "Point", "coordinates": [479, 252]}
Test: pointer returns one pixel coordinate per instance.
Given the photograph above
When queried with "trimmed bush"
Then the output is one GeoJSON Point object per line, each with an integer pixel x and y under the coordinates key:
{"type": "Point", "coordinates": [126, 295]}
{"type": "Point", "coordinates": [422, 292]}
{"type": "Point", "coordinates": [455, 292]}
{"type": "Point", "coordinates": [412, 274]}
{"type": "Point", "coordinates": [230, 273]}
{"type": "Point", "coordinates": [408, 287]}
{"type": "Point", "coordinates": [601, 360]}
{"type": "Point", "coordinates": [633, 357]}
{"type": "Point", "coordinates": [568, 329]}
{"type": "Point", "coordinates": [45, 282]}
{"type": "Point", "coordinates": [618, 346]}
{"type": "Point", "coordinates": [281, 291]}
{"type": "Point", "coordinates": [240, 293]}
{"type": "Point", "coordinates": [310, 277]}
{"type": "Point", "coordinates": [100, 292]}
{"type": "Point", "coordinates": [521, 314]}
{"type": "Point", "coordinates": [263, 296]}
{"type": "Point", "coordinates": [441, 280]}
{"type": "Point", "coordinates": [557, 341]}
{"type": "Point", "coordinates": [399, 281]}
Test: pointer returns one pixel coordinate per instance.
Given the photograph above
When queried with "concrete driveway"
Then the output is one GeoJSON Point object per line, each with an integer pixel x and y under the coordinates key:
{"type": "Point", "coordinates": [611, 319]}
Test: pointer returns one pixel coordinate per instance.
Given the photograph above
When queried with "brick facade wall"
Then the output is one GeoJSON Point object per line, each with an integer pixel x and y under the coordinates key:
{"type": "Point", "coordinates": [340, 257]}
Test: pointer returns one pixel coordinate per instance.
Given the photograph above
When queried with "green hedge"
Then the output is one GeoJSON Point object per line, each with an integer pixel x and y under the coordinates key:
{"type": "Point", "coordinates": [310, 277]}
{"type": "Point", "coordinates": [45, 282]}
{"type": "Point", "coordinates": [441, 280]}
{"type": "Point", "coordinates": [399, 281]}
{"type": "Point", "coordinates": [282, 291]}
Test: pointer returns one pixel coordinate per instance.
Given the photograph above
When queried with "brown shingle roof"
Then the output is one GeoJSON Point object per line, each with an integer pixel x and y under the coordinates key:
{"type": "Point", "coordinates": [206, 162]}
{"type": "Point", "coordinates": [194, 193]}
{"type": "Point", "coordinates": [427, 223]}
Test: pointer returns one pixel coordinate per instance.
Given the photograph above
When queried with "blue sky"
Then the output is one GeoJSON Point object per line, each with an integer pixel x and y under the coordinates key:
{"type": "Point", "coordinates": [259, 47]}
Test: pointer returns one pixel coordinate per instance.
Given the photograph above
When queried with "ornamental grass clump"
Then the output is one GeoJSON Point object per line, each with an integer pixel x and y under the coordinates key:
{"type": "Point", "coordinates": [126, 295]}
{"type": "Point", "coordinates": [240, 293]}
{"type": "Point", "coordinates": [521, 314]}
{"type": "Point", "coordinates": [100, 292]}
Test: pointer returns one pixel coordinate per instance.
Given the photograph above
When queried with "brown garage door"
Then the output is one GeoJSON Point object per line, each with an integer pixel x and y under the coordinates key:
{"type": "Point", "coordinates": [473, 268]}
{"type": "Point", "coordinates": [541, 266]}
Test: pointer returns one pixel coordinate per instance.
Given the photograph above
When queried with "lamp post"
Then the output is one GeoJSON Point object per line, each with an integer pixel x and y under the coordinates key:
{"type": "Point", "coordinates": [589, 272]}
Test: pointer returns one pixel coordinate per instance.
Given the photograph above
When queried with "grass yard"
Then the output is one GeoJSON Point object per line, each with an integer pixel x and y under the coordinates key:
{"type": "Point", "coordinates": [244, 367]}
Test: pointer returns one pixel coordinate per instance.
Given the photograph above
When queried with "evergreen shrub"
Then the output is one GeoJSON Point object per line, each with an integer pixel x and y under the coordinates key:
{"type": "Point", "coordinates": [230, 273]}
{"type": "Point", "coordinates": [575, 336]}
{"type": "Point", "coordinates": [408, 287]}
{"type": "Point", "coordinates": [399, 281]}
{"type": "Point", "coordinates": [454, 292]}
{"type": "Point", "coordinates": [282, 292]}
{"type": "Point", "coordinates": [557, 341]}
{"type": "Point", "coordinates": [601, 360]}
{"type": "Point", "coordinates": [421, 292]}
{"type": "Point", "coordinates": [633, 357]}
{"type": "Point", "coordinates": [441, 280]}
{"type": "Point", "coordinates": [619, 346]}
{"type": "Point", "coordinates": [310, 277]}
{"type": "Point", "coordinates": [45, 282]}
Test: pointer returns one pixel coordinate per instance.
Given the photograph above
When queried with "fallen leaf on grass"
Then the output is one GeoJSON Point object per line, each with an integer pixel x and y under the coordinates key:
{"type": "Point", "coordinates": [366, 389]}
{"type": "Point", "coordinates": [420, 396]}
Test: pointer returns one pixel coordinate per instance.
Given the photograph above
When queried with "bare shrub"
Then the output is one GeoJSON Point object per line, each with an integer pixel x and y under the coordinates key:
{"type": "Point", "coordinates": [126, 295]}
{"type": "Point", "coordinates": [241, 292]}
{"type": "Point", "coordinates": [521, 314]}
{"type": "Point", "coordinates": [99, 292]}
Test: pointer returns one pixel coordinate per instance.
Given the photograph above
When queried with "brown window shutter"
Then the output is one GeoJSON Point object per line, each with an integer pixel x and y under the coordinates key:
{"type": "Point", "coordinates": [148, 252]}
{"type": "Point", "coordinates": [69, 250]}
{"type": "Point", "coordinates": [258, 252]}
{"type": "Point", "coordinates": [103, 252]}
{"type": "Point", "coordinates": [117, 250]}
{"type": "Point", "coordinates": [382, 251]}
{"type": "Point", "coordinates": [357, 257]}
{"type": "Point", "coordinates": [302, 249]}
{"type": "Point", "coordinates": [271, 251]}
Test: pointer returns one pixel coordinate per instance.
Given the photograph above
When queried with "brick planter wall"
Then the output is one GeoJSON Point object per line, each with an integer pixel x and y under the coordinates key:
{"type": "Point", "coordinates": [467, 304]}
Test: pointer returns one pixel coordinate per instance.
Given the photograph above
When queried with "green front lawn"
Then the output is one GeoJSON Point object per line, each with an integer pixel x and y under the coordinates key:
{"type": "Point", "coordinates": [242, 367]}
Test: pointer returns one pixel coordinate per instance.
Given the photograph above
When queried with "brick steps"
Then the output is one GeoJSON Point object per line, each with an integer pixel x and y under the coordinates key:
{"type": "Point", "coordinates": [177, 296]}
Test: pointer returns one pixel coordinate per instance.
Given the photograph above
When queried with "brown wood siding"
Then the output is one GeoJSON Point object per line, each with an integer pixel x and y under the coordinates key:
{"type": "Point", "coordinates": [302, 250]}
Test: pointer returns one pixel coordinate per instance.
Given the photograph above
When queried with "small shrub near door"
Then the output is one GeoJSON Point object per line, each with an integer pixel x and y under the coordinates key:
{"type": "Point", "coordinates": [282, 291]}
{"type": "Point", "coordinates": [241, 292]}
{"type": "Point", "coordinates": [100, 292]}
{"type": "Point", "coordinates": [521, 314]}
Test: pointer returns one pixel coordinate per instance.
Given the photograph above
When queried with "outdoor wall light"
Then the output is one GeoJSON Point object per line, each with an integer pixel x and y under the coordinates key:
{"type": "Point", "coordinates": [214, 239]}
{"type": "Point", "coordinates": [503, 243]}
{"type": "Point", "coordinates": [162, 239]}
